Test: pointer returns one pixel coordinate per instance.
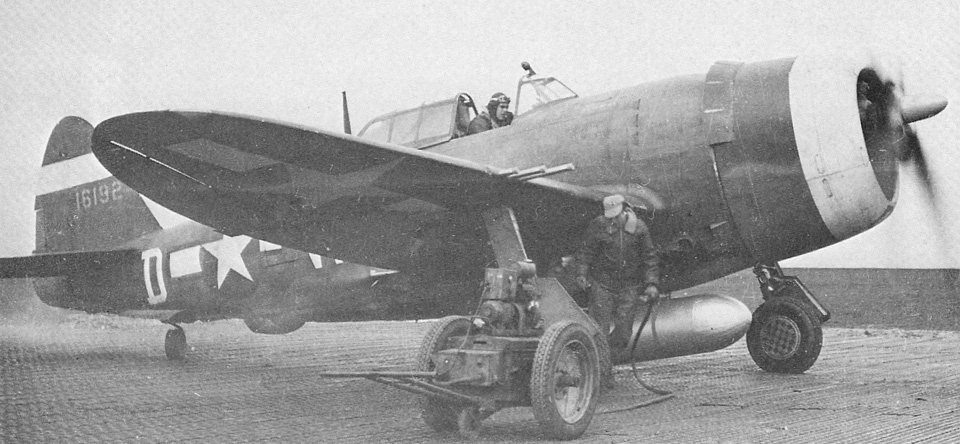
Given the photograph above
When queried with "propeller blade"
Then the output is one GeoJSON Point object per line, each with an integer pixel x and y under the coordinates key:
{"type": "Point", "coordinates": [914, 153]}
{"type": "Point", "coordinates": [915, 108]}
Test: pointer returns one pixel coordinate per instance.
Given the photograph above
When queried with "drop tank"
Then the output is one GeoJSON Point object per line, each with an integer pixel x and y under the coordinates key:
{"type": "Point", "coordinates": [687, 326]}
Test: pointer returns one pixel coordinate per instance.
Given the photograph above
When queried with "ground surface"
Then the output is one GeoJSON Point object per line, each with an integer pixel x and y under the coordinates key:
{"type": "Point", "coordinates": [97, 378]}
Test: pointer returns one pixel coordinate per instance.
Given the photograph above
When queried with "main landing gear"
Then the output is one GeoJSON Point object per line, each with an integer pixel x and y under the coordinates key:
{"type": "Point", "coordinates": [175, 343]}
{"type": "Point", "coordinates": [785, 335]}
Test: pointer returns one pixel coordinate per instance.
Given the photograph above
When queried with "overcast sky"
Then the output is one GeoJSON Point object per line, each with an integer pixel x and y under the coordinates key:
{"type": "Point", "coordinates": [290, 60]}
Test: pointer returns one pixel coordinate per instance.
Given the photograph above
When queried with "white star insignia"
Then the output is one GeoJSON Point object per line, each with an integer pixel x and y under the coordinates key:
{"type": "Point", "coordinates": [227, 251]}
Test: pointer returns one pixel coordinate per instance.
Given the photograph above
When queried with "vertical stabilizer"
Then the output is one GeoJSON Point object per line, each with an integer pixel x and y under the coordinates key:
{"type": "Point", "coordinates": [79, 205]}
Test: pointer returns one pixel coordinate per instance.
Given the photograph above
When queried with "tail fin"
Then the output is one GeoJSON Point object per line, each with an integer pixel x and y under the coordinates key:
{"type": "Point", "coordinates": [79, 205]}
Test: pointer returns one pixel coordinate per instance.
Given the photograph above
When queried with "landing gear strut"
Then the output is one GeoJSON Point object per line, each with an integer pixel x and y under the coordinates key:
{"type": "Point", "coordinates": [175, 343]}
{"type": "Point", "coordinates": [785, 335]}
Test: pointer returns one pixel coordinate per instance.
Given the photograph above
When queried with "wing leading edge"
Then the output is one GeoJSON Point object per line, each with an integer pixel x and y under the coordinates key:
{"type": "Point", "coordinates": [322, 192]}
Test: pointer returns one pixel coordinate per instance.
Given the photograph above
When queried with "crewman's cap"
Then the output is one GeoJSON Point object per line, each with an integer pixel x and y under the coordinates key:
{"type": "Point", "coordinates": [612, 206]}
{"type": "Point", "coordinates": [499, 98]}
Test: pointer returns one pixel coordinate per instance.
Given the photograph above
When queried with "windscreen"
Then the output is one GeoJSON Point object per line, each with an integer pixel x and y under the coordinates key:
{"type": "Point", "coordinates": [535, 93]}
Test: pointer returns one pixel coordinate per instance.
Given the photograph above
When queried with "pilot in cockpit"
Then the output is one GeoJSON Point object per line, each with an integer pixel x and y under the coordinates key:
{"type": "Point", "coordinates": [496, 115]}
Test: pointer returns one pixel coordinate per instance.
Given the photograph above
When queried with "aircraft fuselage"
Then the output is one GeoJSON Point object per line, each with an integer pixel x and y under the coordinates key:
{"type": "Point", "coordinates": [746, 164]}
{"type": "Point", "coordinates": [193, 273]}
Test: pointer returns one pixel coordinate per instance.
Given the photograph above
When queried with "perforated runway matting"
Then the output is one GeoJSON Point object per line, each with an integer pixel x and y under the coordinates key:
{"type": "Point", "coordinates": [105, 379]}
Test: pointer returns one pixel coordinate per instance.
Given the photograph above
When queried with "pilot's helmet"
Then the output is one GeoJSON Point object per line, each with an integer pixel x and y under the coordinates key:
{"type": "Point", "coordinates": [499, 98]}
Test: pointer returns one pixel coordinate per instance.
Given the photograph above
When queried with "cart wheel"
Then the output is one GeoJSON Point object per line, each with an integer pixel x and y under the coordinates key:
{"type": "Point", "coordinates": [784, 337]}
{"type": "Point", "coordinates": [439, 415]}
{"type": "Point", "coordinates": [468, 422]}
{"type": "Point", "coordinates": [175, 344]}
{"type": "Point", "coordinates": [565, 380]}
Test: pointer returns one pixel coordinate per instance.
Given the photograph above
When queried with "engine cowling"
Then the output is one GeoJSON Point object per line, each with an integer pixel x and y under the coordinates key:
{"type": "Point", "coordinates": [806, 148]}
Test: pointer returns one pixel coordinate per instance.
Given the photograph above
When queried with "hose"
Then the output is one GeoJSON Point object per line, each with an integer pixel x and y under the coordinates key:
{"type": "Point", "coordinates": [663, 394]}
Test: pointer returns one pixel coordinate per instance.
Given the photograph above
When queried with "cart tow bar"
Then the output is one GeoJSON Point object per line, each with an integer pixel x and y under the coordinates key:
{"type": "Point", "coordinates": [413, 382]}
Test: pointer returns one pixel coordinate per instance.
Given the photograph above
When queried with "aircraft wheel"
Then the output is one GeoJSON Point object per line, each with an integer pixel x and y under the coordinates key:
{"type": "Point", "coordinates": [784, 336]}
{"type": "Point", "coordinates": [565, 380]}
{"type": "Point", "coordinates": [440, 415]}
{"type": "Point", "coordinates": [175, 344]}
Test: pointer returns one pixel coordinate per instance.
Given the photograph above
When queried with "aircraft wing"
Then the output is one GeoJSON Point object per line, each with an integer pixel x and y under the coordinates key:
{"type": "Point", "coordinates": [61, 264]}
{"type": "Point", "coordinates": [319, 191]}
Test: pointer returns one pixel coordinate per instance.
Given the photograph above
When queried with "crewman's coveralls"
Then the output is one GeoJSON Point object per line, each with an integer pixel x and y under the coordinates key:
{"type": "Point", "coordinates": [620, 264]}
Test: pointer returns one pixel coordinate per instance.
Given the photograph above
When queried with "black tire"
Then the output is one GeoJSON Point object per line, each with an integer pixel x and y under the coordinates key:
{"type": "Point", "coordinates": [565, 380]}
{"type": "Point", "coordinates": [175, 344]}
{"type": "Point", "coordinates": [439, 415]}
{"type": "Point", "coordinates": [784, 336]}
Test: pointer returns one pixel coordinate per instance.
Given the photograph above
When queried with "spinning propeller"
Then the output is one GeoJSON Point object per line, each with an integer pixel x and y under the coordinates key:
{"type": "Point", "coordinates": [886, 113]}
{"type": "Point", "coordinates": [913, 109]}
{"type": "Point", "coordinates": [904, 110]}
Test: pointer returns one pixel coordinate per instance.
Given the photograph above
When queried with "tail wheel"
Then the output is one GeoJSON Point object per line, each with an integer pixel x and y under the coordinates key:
{"type": "Point", "coordinates": [565, 380]}
{"type": "Point", "coordinates": [440, 415]}
{"type": "Point", "coordinates": [784, 337]}
{"type": "Point", "coordinates": [175, 344]}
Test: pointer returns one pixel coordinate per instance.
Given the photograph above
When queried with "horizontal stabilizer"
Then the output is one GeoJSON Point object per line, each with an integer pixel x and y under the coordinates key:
{"type": "Point", "coordinates": [61, 264]}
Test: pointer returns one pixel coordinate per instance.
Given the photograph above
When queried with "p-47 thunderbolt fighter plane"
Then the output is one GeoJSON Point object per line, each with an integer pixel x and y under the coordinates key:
{"type": "Point", "coordinates": [744, 166]}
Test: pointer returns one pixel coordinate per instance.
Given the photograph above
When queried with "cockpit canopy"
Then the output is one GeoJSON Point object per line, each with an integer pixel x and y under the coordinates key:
{"type": "Point", "coordinates": [434, 123]}
{"type": "Point", "coordinates": [424, 126]}
{"type": "Point", "coordinates": [535, 91]}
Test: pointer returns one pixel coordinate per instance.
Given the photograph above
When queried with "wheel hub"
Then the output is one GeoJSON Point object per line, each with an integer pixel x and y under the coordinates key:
{"type": "Point", "coordinates": [781, 337]}
{"type": "Point", "coordinates": [572, 394]}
